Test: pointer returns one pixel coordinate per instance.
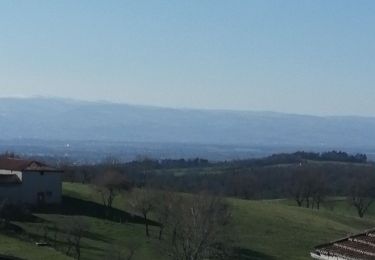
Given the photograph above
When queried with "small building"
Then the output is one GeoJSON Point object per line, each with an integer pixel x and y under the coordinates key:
{"type": "Point", "coordinates": [29, 182]}
{"type": "Point", "coordinates": [356, 247]}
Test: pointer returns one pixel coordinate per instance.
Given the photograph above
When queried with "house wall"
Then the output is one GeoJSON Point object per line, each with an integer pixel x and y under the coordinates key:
{"type": "Point", "coordinates": [11, 192]}
{"type": "Point", "coordinates": [48, 183]}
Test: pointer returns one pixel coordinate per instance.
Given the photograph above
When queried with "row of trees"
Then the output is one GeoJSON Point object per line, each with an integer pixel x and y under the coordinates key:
{"type": "Point", "coordinates": [308, 183]}
{"type": "Point", "coordinates": [143, 165]}
{"type": "Point", "coordinates": [309, 188]}
{"type": "Point", "coordinates": [300, 157]}
{"type": "Point", "coordinates": [191, 227]}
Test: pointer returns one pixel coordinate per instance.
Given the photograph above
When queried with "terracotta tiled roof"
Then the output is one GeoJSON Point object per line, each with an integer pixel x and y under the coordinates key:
{"type": "Point", "coordinates": [15, 164]}
{"type": "Point", "coordinates": [356, 247]}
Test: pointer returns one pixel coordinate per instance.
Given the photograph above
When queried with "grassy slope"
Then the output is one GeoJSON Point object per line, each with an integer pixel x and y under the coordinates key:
{"type": "Point", "coordinates": [265, 230]}
{"type": "Point", "coordinates": [103, 237]}
{"type": "Point", "coordinates": [278, 231]}
{"type": "Point", "coordinates": [27, 250]}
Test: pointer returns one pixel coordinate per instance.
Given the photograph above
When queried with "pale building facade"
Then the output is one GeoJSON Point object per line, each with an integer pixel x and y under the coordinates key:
{"type": "Point", "coordinates": [29, 182]}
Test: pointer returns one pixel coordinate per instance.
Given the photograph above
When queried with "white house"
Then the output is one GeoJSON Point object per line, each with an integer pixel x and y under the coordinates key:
{"type": "Point", "coordinates": [29, 182]}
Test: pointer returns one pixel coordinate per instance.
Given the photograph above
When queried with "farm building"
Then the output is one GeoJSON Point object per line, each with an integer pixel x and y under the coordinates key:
{"type": "Point", "coordinates": [29, 182]}
{"type": "Point", "coordinates": [356, 247]}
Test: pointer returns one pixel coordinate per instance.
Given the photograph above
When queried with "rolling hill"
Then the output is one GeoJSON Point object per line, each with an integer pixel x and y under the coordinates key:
{"type": "Point", "coordinates": [264, 229]}
{"type": "Point", "coordinates": [64, 119]}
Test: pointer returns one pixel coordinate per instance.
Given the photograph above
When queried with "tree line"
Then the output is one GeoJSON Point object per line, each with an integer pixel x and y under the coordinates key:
{"type": "Point", "coordinates": [307, 178]}
{"type": "Point", "coordinates": [145, 164]}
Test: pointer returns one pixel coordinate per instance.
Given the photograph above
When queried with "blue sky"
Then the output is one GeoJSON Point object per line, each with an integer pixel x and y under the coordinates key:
{"type": "Point", "coordinates": [313, 57]}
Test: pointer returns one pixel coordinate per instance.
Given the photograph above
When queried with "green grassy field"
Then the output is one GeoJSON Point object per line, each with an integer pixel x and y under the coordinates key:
{"type": "Point", "coordinates": [273, 229]}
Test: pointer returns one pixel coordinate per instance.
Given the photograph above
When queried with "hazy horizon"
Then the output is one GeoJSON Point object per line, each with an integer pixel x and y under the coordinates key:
{"type": "Point", "coordinates": [298, 57]}
{"type": "Point", "coordinates": [102, 101]}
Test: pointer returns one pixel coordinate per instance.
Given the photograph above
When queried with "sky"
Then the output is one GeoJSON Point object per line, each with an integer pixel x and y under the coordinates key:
{"type": "Point", "coordinates": [308, 57]}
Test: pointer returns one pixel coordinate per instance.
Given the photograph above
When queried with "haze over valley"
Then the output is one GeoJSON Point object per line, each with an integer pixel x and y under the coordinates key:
{"type": "Point", "coordinates": [102, 129]}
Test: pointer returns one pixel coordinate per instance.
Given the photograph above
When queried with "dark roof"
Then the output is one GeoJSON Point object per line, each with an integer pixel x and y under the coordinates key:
{"type": "Point", "coordinates": [16, 164]}
{"type": "Point", "coordinates": [9, 179]}
{"type": "Point", "coordinates": [356, 247]}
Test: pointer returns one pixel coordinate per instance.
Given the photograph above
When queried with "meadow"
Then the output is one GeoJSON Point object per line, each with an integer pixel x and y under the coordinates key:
{"type": "Point", "coordinates": [264, 229]}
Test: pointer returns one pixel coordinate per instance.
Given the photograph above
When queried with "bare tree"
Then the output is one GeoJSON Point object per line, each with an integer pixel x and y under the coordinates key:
{"type": "Point", "coordinates": [108, 185]}
{"type": "Point", "coordinates": [307, 186]}
{"type": "Point", "coordinates": [146, 164]}
{"type": "Point", "coordinates": [297, 186]}
{"type": "Point", "coordinates": [55, 235]}
{"type": "Point", "coordinates": [45, 231]}
{"type": "Point", "coordinates": [143, 202]}
{"type": "Point", "coordinates": [361, 195]}
{"type": "Point", "coordinates": [75, 231]}
{"type": "Point", "coordinates": [164, 203]}
{"type": "Point", "coordinates": [199, 228]}
{"type": "Point", "coordinates": [319, 190]}
{"type": "Point", "coordinates": [361, 204]}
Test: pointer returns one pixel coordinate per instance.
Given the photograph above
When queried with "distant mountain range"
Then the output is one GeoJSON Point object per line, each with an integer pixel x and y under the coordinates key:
{"type": "Point", "coordinates": [61, 119]}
